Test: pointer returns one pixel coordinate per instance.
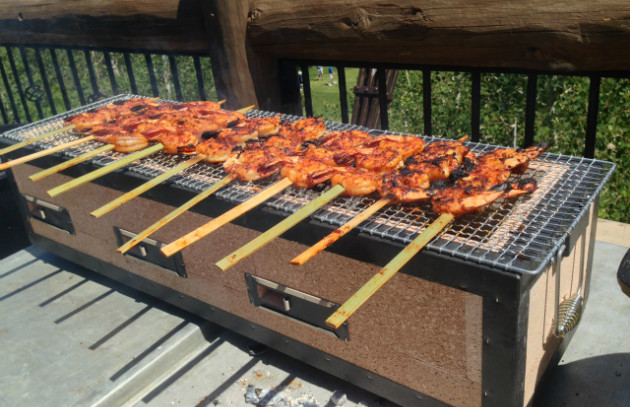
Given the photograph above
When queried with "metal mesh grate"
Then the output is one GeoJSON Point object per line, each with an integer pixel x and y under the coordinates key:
{"type": "Point", "coordinates": [518, 235]}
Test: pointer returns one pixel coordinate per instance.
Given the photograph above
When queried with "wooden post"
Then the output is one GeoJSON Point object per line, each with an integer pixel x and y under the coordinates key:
{"type": "Point", "coordinates": [226, 25]}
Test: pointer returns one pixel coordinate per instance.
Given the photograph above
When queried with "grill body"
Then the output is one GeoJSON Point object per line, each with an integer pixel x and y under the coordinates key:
{"type": "Point", "coordinates": [452, 328]}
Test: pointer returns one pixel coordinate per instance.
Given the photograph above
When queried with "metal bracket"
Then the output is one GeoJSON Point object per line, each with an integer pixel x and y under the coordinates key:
{"type": "Point", "coordinates": [149, 250]}
{"type": "Point", "coordinates": [294, 304]}
{"type": "Point", "coordinates": [48, 213]}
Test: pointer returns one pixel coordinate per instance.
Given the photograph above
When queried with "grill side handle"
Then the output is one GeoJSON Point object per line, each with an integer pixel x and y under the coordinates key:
{"type": "Point", "coordinates": [295, 305]}
{"type": "Point", "coordinates": [569, 312]}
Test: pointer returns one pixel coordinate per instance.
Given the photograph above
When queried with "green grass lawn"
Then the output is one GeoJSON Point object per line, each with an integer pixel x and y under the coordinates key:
{"type": "Point", "coordinates": [326, 98]}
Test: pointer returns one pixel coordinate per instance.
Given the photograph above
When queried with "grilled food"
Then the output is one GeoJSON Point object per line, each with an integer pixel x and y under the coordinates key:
{"type": "Point", "coordinates": [400, 168]}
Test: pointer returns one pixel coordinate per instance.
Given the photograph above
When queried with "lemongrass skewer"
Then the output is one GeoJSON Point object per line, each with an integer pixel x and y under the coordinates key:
{"type": "Point", "coordinates": [256, 244]}
{"type": "Point", "coordinates": [335, 235]}
{"type": "Point", "coordinates": [97, 213]}
{"type": "Point", "coordinates": [105, 170]}
{"type": "Point", "coordinates": [70, 163]}
{"type": "Point", "coordinates": [172, 215]}
{"type": "Point", "coordinates": [35, 139]}
{"type": "Point", "coordinates": [364, 293]}
{"type": "Point", "coordinates": [225, 218]}
{"type": "Point", "coordinates": [45, 152]}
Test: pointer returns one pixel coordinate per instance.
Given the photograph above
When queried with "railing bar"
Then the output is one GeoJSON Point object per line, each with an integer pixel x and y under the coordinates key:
{"type": "Point", "coordinates": [530, 108]}
{"type": "Point", "coordinates": [130, 74]}
{"type": "Point", "coordinates": [62, 84]}
{"type": "Point", "coordinates": [308, 102]}
{"type": "Point", "coordinates": [42, 72]}
{"type": "Point", "coordinates": [151, 72]}
{"type": "Point", "coordinates": [91, 73]}
{"type": "Point", "coordinates": [110, 72]}
{"type": "Point", "coordinates": [591, 115]}
{"type": "Point", "coordinates": [426, 102]}
{"type": "Point", "coordinates": [29, 77]}
{"type": "Point", "coordinates": [19, 85]}
{"type": "Point", "coordinates": [382, 97]}
{"type": "Point", "coordinates": [475, 114]}
{"type": "Point", "coordinates": [7, 85]}
{"type": "Point", "coordinates": [3, 112]}
{"type": "Point", "coordinates": [75, 76]}
{"type": "Point", "coordinates": [200, 85]}
{"type": "Point", "coordinates": [178, 88]}
{"type": "Point", "coordinates": [343, 93]}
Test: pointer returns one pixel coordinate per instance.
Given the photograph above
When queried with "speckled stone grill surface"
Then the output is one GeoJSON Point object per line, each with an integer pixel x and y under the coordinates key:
{"type": "Point", "coordinates": [518, 235]}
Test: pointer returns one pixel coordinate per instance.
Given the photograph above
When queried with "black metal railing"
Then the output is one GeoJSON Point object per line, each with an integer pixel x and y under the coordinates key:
{"type": "Point", "coordinates": [40, 81]}
{"type": "Point", "coordinates": [531, 95]}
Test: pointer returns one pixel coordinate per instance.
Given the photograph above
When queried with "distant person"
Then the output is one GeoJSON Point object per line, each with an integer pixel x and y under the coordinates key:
{"type": "Point", "coordinates": [320, 72]}
{"type": "Point", "coordinates": [331, 75]}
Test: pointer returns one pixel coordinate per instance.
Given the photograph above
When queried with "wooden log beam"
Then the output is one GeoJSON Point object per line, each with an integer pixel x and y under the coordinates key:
{"type": "Point", "coordinates": [164, 25]}
{"type": "Point", "coordinates": [579, 35]}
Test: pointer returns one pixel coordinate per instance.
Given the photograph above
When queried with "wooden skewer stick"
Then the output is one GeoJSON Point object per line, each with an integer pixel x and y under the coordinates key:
{"type": "Point", "coordinates": [35, 139]}
{"type": "Point", "coordinates": [225, 218]}
{"type": "Point", "coordinates": [105, 170]}
{"type": "Point", "coordinates": [43, 153]}
{"type": "Point", "coordinates": [256, 244]}
{"type": "Point", "coordinates": [353, 303]}
{"type": "Point", "coordinates": [335, 235]}
{"type": "Point", "coordinates": [70, 163]}
{"type": "Point", "coordinates": [97, 213]}
{"type": "Point", "coordinates": [172, 215]}
{"type": "Point", "coordinates": [246, 109]}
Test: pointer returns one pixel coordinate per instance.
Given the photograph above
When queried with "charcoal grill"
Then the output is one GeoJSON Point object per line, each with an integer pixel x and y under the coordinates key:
{"type": "Point", "coordinates": [471, 320]}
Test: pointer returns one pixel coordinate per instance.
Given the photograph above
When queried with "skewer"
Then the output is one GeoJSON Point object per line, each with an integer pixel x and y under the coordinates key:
{"type": "Point", "coordinates": [335, 235]}
{"type": "Point", "coordinates": [256, 244]}
{"type": "Point", "coordinates": [341, 231]}
{"type": "Point", "coordinates": [105, 170]}
{"type": "Point", "coordinates": [43, 153]}
{"type": "Point", "coordinates": [225, 218]}
{"type": "Point", "coordinates": [364, 293]}
{"type": "Point", "coordinates": [97, 213]}
{"type": "Point", "coordinates": [35, 139]}
{"type": "Point", "coordinates": [172, 215]}
{"type": "Point", "coordinates": [70, 163]}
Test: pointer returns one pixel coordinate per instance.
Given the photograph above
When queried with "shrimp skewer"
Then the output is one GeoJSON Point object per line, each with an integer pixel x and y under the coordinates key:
{"type": "Point", "coordinates": [410, 183]}
{"type": "Point", "coordinates": [486, 175]}
{"type": "Point", "coordinates": [487, 181]}
{"type": "Point", "coordinates": [260, 160]}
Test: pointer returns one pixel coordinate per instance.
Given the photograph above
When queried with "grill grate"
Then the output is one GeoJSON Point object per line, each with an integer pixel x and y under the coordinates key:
{"type": "Point", "coordinates": [514, 235]}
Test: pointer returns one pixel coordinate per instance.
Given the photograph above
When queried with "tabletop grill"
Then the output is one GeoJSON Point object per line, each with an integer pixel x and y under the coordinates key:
{"type": "Point", "coordinates": [515, 241]}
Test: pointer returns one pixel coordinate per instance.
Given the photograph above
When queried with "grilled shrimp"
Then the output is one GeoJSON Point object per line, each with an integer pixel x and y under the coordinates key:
{"type": "Point", "coordinates": [344, 140]}
{"type": "Point", "coordinates": [128, 142]}
{"type": "Point", "coordinates": [305, 173]}
{"type": "Point", "coordinates": [461, 202]}
{"type": "Point", "coordinates": [405, 145]}
{"type": "Point", "coordinates": [356, 181]}
{"type": "Point", "coordinates": [487, 181]}
{"type": "Point", "coordinates": [436, 162]}
{"type": "Point", "coordinates": [237, 135]}
{"type": "Point", "coordinates": [378, 160]}
{"type": "Point", "coordinates": [266, 126]}
{"type": "Point", "coordinates": [306, 129]}
{"type": "Point", "coordinates": [255, 164]}
{"type": "Point", "coordinates": [179, 143]}
{"type": "Point", "coordinates": [261, 159]}
{"type": "Point", "coordinates": [215, 151]}
{"type": "Point", "coordinates": [85, 122]}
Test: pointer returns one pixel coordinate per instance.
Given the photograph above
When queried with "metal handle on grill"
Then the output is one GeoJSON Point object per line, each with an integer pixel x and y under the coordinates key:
{"type": "Point", "coordinates": [569, 312]}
